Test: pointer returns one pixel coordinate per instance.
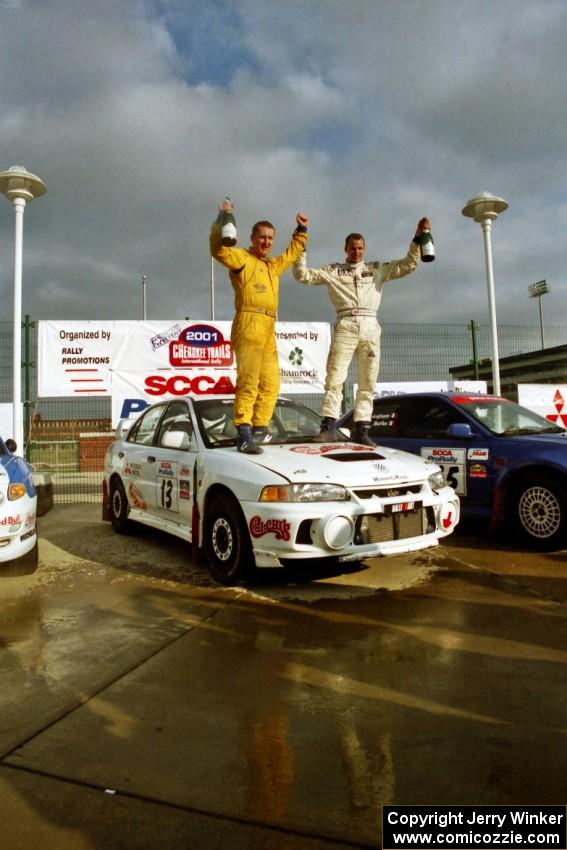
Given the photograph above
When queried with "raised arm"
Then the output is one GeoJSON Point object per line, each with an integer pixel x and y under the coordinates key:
{"type": "Point", "coordinates": [400, 268]}
{"type": "Point", "coordinates": [232, 258]}
{"type": "Point", "coordinates": [311, 277]}
{"type": "Point", "coordinates": [297, 244]}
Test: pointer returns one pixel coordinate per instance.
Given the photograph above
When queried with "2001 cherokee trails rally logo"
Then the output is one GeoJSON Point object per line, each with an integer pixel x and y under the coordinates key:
{"type": "Point", "coordinates": [201, 345]}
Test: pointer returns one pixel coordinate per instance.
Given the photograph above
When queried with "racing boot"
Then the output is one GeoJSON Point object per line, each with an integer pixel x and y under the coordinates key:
{"type": "Point", "coordinates": [327, 433]}
{"type": "Point", "coordinates": [360, 434]}
{"type": "Point", "coordinates": [260, 434]}
{"type": "Point", "coordinates": [245, 443]}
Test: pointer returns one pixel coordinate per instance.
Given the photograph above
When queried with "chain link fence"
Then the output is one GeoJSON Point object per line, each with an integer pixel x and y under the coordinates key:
{"type": "Point", "coordinates": [69, 436]}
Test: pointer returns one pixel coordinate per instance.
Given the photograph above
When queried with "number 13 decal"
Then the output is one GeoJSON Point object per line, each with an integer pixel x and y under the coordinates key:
{"type": "Point", "coordinates": [167, 494]}
{"type": "Point", "coordinates": [165, 490]}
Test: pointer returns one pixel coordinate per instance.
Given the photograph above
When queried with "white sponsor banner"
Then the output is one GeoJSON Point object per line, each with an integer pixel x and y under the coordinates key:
{"type": "Point", "coordinates": [74, 358]}
{"type": "Point", "coordinates": [133, 391]}
{"type": "Point", "coordinates": [549, 400]}
{"type": "Point", "coordinates": [84, 357]}
{"type": "Point", "coordinates": [400, 387]}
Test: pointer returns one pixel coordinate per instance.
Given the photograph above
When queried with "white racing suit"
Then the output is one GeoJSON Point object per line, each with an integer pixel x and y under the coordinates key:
{"type": "Point", "coordinates": [355, 291]}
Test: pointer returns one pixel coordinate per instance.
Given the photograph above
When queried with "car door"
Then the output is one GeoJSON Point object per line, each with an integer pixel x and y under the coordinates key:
{"type": "Point", "coordinates": [419, 424]}
{"type": "Point", "coordinates": [173, 466]}
{"type": "Point", "coordinates": [138, 471]}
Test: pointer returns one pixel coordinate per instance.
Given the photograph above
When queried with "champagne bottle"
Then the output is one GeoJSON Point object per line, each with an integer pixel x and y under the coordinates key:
{"type": "Point", "coordinates": [426, 246]}
{"type": "Point", "coordinates": [228, 226]}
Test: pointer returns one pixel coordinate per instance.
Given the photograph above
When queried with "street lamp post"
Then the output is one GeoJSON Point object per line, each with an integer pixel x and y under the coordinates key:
{"type": "Point", "coordinates": [536, 290]}
{"type": "Point", "coordinates": [144, 297]}
{"type": "Point", "coordinates": [212, 289]}
{"type": "Point", "coordinates": [20, 187]}
{"type": "Point", "coordinates": [485, 208]}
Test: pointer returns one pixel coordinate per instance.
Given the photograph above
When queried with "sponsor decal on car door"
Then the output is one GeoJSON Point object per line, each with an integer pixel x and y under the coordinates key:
{"type": "Point", "coordinates": [452, 462]}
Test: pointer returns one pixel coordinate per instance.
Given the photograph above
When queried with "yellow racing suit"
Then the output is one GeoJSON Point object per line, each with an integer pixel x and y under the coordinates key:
{"type": "Point", "coordinates": [253, 335]}
{"type": "Point", "coordinates": [355, 290]}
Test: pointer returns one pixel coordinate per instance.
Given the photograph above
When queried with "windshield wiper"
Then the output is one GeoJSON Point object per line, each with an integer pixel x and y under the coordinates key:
{"type": "Point", "coordinates": [515, 432]}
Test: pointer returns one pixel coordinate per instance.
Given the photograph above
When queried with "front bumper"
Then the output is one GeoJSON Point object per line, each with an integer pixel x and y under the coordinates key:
{"type": "Point", "coordinates": [348, 531]}
{"type": "Point", "coordinates": [17, 538]}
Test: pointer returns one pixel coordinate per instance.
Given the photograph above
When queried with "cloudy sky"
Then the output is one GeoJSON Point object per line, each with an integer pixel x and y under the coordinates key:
{"type": "Point", "coordinates": [140, 115]}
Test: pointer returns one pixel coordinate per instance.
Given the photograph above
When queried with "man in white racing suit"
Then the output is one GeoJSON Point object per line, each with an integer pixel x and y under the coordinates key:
{"type": "Point", "coordinates": [355, 289]}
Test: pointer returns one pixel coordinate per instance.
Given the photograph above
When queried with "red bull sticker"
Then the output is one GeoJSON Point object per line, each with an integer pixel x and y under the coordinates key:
{"type": "Point", "coordinates": [11, 520]}
{"type": "Point", "coordinates": [477, 470]}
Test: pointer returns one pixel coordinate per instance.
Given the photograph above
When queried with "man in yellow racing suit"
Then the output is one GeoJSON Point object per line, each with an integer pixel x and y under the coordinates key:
{"type": "Point", "coordinates": [355, 290]}
{"type": "Point", "coordinates": [255, 277]}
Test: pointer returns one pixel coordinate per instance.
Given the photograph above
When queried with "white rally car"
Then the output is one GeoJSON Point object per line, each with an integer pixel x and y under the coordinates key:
{"type": "Point", "coordinates": [18, 509]}
{"type": "Point", "coordinates": [177, 469]}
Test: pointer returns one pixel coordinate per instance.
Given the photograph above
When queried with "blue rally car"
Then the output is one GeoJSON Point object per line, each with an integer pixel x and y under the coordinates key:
{"type": "Point", "coordinates": [507, 463]}
{"type": "Point", "coordinates": [18, 511]}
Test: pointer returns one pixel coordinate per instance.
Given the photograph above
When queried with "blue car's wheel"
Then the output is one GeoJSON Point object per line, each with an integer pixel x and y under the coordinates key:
{"type": "Point", "coordinates": [540, 511]}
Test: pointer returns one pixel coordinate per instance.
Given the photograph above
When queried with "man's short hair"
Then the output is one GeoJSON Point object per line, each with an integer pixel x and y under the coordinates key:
{"type": "Point", "coordinates": [354, 236]}
{"type": "Point", "coordinates": [260, 224]}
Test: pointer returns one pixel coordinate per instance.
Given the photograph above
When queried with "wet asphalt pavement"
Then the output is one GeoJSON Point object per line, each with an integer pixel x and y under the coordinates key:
{"type": "Point", "coordinates": [144, 706]}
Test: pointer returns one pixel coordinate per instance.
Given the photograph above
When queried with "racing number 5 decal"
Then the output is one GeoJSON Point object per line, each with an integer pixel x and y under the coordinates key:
{"type": "Point", "coordinates": [452, 463]}
{"type": "Point", "coordinates": [454, 476]}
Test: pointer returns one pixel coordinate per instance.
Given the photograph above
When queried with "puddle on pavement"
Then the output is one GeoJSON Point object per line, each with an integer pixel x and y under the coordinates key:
{"type": "Point", "coordinates": [378, 575]}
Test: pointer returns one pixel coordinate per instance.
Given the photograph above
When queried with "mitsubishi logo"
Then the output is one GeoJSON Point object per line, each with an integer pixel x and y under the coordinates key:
{"type": "Point", "coordinates": [559, 417]}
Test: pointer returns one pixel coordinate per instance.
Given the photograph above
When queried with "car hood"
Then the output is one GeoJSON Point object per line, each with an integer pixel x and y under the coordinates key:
{"type": "Point", "coordinates": [344, 463]}
{"type": "Point", "coordinates": [550, 441]}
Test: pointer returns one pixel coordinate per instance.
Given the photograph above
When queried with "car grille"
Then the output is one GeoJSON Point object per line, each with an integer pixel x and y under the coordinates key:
{"type": "Point", "coordinates": [379, 528]}
{"type": "Point", "coordinates": [387, 492]}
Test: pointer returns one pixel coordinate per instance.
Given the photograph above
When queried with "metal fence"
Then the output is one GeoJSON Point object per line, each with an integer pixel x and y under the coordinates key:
{"type": "Point", "coordinates": [70, 435]}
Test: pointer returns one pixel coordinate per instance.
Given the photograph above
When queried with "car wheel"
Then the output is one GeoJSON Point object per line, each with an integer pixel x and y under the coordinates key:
{"type": "Point", "coordinates": [119, 507]}
{"type": "Point", "coordinates": [540, 512]}
{"type": "Point", "coordinates": [226, 541]}
{"type": "Point", "coordinates": [24, 566]}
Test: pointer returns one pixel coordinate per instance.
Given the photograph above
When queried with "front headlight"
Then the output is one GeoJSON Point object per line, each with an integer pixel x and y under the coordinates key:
{"type": "Point", "coordinates": [437, 481]}
{"type": "Point", "coordinates": [304, 493]}
{"type": "Point", "coordinates": [16, 491]}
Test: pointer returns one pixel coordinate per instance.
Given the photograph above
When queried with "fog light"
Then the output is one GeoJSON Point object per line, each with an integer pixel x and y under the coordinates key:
{"type": "Point", "coordinates": [334, 533]}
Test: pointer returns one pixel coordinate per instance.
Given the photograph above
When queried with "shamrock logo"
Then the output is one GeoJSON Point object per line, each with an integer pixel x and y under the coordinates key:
{"type": "Point", "coordinates": [296, 356]}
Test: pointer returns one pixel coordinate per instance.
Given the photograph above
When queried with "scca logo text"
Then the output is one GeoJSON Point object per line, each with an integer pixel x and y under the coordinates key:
{"type": "Point", "coordinates": [177, 385]}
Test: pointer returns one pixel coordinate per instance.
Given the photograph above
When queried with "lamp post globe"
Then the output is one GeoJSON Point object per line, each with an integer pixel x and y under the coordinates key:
{"type": "Point", "coordinates": [485, 208]}
{"type": "Point", "coordinates": [20, 187]}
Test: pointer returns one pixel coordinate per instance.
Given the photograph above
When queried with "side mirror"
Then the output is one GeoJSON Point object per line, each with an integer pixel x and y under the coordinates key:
{"type": "Point", "coordinates": [460, 431]}
{"type": "Point", "coordinates": [175, 440]}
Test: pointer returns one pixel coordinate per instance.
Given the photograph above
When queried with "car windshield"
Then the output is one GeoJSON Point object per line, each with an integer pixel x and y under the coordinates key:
{"type": "Point", "coordinates": [292, 422]}
{"type": "Point", "coordinates": [505, 418]}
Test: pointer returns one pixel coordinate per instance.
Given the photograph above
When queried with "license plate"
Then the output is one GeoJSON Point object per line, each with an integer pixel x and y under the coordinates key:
{"type": "Point", "coordinates": [402, 507]}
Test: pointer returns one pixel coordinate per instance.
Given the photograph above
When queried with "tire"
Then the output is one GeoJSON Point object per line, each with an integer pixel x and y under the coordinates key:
{"type": "Point", "coordinates": [24, 566]}
{"type": "Point", "coordinates": [539, 515]}
{"type": "Point", "coordinates": [119, 508]}
{"type": "Point", "coordinates": [226, 541]}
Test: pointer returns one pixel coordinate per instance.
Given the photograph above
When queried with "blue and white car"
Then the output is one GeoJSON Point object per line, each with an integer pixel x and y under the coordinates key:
{"type": "Point", "coordinates": [507, 463]}
{"type": "Point", "coordinates": [18, 510]}
{"type": "Point", "coordinates": [177, 469]}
